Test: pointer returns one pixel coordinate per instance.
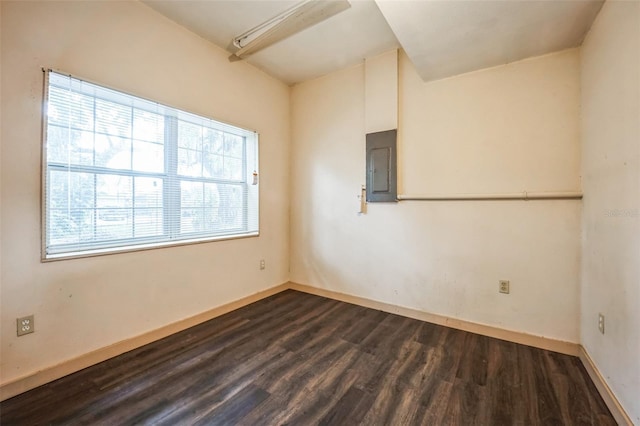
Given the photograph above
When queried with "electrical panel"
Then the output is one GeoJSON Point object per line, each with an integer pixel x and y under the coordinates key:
{"type": "Point", "coordinates": [382, 181]}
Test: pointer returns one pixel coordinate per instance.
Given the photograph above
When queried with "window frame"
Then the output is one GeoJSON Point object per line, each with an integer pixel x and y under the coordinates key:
{"type": "Point", "coordinates": [168, 237]}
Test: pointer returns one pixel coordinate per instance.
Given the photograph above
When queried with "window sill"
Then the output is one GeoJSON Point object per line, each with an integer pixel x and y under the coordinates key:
{"type": "Point", "coordinates": [141, 247]}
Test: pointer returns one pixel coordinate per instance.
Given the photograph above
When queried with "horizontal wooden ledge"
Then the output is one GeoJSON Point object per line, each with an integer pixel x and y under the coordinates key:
{"type": "Point", "coordinates": [526, 196]}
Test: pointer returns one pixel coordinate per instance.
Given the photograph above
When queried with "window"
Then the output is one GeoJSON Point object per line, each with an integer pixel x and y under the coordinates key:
{"type": "Point", "coordinates": [124, 173]}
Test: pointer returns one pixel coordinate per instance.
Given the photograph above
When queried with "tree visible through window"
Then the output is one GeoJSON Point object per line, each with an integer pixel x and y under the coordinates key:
{"type": "Point", "coordinates": [123, 172]}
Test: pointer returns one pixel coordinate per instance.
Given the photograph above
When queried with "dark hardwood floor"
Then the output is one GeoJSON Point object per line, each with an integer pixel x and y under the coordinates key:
{"type": "Point", "coordinates": [300, 359]}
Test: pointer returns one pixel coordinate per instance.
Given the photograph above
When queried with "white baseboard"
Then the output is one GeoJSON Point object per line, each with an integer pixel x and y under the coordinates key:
{"type": "Point", "coordinates": [605, 391]}
{"type": "Point", "coordinates": [567, 348]}
{"type": "Point", "coordinates": [49, 374]}
{"type": "Point", "coordinates": [560, 346]}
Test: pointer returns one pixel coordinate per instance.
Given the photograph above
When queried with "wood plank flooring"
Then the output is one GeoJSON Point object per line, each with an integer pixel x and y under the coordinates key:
{"type": "Point", "coordinates": [300, 359]}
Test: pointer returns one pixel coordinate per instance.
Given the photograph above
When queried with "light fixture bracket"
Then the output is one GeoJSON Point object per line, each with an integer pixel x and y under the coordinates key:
{"type": "Point", "coordinates": [293, 20]}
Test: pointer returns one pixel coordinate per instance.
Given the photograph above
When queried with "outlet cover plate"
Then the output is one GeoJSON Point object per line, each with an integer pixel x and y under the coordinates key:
{"type": "Point", "coordinates": [504, 286]}
{"type": "Point", "coordinates": [25, 325]}
{"type": "Point", "coordinates": [601, 323]}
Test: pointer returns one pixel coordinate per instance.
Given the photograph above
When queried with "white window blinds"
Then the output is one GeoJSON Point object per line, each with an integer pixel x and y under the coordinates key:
{"type": "Point", "coordinates": [124, 173]}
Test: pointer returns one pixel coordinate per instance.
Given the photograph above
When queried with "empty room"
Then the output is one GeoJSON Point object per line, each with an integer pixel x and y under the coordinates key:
{"type": "Point", "coordinates": [337, 212]}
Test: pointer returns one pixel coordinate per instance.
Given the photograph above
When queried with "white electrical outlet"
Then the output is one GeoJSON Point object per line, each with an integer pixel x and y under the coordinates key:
{"type": "Point", "coordinates": [601, 323]}
{"type": "Point", "coordinates": [503, 286]}
{"type": "Point", "coordinates": [25, 325]}
{"type": "Point", "coordinates": [262, 264]}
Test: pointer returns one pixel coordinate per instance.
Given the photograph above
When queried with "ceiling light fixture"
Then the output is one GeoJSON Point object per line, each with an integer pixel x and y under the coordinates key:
{"type": "Point", "coordinates": [293, 20]}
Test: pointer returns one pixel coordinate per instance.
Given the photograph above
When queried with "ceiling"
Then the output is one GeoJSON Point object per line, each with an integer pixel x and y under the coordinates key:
{"type": "Point", "coordinates": [445, 38]}
{"type": "Point", "coordinates": [441, 37]}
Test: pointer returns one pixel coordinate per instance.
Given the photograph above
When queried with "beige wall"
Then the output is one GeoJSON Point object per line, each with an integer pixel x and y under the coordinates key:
{"type": "Point", "coordinates": [510, 128]}
{"type": "Point", "coordinates": [84, 304]}
{"type": "Point", "coordinates": [611, 214]}
{"type": "Point", "coordinates": [505, 129]}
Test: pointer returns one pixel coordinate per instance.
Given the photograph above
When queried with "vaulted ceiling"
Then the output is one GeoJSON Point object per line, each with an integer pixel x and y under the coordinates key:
{"type": "Point", "coordinates": [441, 37]}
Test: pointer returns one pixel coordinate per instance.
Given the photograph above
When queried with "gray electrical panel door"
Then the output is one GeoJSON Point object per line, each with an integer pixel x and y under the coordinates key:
{"type": "Point", "coordinates": [381, 167]}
